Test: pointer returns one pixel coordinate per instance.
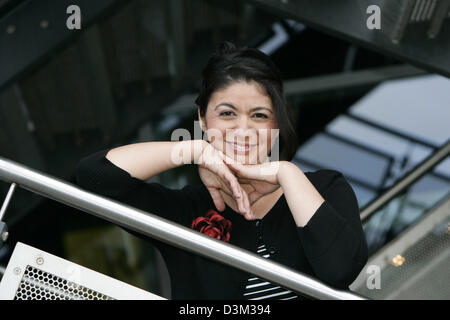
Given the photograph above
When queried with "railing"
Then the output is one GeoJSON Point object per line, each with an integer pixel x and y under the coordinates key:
{"type": "Point", "coordinates": [406, 181]}
{"type": "Point", "coordinates": [162, 229]}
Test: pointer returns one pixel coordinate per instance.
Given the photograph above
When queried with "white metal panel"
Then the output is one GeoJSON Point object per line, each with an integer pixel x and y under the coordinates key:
{"type": "Point", "coordinates": [32, 272]}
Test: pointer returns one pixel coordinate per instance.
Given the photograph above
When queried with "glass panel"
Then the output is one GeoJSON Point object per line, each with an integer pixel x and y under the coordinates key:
{"type": "Point", "coordinates": [352, 161]}
{"type": "Point", "coordinates": [366, 135]}
{"type": "Point", "coordinates": [404, 105]}
{"type": "Point", "coordinates": [364, 195]}
{"type": "Point", "coordinates": [429, 190]}
{"type": "Point", "coordinates": [443, 168]}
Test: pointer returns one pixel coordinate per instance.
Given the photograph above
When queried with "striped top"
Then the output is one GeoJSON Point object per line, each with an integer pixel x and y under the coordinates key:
{"type": "Point", "coordinates": [259, 289]}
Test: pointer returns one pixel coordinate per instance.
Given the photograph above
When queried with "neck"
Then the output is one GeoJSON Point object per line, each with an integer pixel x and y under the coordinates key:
{"type": "Point", "coordinates": [260, 206]}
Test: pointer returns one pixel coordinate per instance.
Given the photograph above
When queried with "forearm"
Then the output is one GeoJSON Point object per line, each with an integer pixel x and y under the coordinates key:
{"type": "Point", "coordinates": [145, 159]}
{"type": "Point", "coordinates": [301, 196]}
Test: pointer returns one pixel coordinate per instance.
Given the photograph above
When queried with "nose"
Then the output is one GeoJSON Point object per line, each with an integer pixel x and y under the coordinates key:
{"type": "Point", "coordinates": [243, 132]}
{"type": "Point", "coordinates": [243, 123]}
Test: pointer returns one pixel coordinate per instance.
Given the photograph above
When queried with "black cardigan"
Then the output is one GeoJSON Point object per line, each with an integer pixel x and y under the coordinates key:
{"type": "Point", "coordinates": [331, 247]}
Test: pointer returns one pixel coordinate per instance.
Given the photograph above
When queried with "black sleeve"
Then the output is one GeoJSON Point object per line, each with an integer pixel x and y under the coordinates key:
{"type": "Point", "coordinates": [333, 239]}
{"type": "Point", "coordinates": [97, 174]}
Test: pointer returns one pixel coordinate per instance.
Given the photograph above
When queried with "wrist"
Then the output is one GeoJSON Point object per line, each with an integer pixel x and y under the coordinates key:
{"type": "Point", "coordinates": [285, 170]}
{"type": "Point", "coordinates": [197, 148]}
{"type": "Point", "coordinates": [185, 152]}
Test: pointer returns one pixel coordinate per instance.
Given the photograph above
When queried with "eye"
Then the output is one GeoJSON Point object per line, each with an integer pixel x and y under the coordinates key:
{"type": "Point", "coordinates": [226, 113]}
{"type": "Point", "coordinates": [261, 115]}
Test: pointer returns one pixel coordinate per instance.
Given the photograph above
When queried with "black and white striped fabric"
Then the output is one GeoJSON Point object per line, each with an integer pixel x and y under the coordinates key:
{"type": "Point", "coordinates": [258, 289]}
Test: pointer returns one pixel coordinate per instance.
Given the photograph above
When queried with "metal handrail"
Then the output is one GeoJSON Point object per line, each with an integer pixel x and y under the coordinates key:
{"type": "Point", "coordinates": [420, 170]}
{"type": "Point", "coordinates": [165, 230]}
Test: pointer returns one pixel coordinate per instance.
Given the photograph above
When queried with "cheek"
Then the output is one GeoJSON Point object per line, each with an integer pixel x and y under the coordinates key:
{"type": "Point", "coordinates": [266, 136]}
{"type": "Point", "coordinates": [215, 136]}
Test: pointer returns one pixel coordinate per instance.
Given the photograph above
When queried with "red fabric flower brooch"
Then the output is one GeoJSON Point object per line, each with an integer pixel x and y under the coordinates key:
{"type": "Point", "coordinates": [213, 225]}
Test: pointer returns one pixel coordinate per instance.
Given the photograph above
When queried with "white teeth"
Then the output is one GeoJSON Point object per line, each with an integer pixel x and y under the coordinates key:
{"type": "Point", "coordinates": [239, 148]}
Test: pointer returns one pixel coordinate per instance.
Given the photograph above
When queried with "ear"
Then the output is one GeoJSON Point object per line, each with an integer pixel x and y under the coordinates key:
{"type": "Point", "coordinates": [201, 120]}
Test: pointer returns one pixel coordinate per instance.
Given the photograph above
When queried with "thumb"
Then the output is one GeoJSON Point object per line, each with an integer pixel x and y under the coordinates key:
{"type": "Point", "coordinates": [244, 172]}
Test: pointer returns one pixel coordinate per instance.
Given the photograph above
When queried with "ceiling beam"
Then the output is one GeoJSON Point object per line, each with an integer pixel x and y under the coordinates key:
{"type": "Point", "coordinates": [325, 83]}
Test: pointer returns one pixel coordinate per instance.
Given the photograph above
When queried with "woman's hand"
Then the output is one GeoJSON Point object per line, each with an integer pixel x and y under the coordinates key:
{"type": "Point", "coordinates": [262, 177]}
{"type": "Point", "coordinates": [260, 188]}
{"type": "Point", "coordinates": [216, 176]}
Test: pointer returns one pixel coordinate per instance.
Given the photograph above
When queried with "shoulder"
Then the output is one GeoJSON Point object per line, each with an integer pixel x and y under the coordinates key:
{"type": "Point", "coordinates": [333, 186]}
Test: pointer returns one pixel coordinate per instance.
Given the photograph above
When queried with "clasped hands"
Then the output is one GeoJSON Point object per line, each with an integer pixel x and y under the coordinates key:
{"type": "Point", "coordinates": [243, 183]}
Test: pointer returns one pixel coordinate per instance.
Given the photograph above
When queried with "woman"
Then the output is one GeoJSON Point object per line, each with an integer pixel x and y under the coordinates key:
{"type": "Point", "coordinates": [306, 221]}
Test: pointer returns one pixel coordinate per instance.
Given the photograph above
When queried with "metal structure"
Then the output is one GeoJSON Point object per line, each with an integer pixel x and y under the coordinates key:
{"type": "Point", "coordinates": [406, 181]}
{"type": "Point", "coordinates": [33, 274]}
{"type": "Point", "coordinates": [167, 231]}
{"type": "Point", "coordinates": [43, 20]}
{"type": "Point", "coordinates": [414, 31]}
{"type": "Point", "coordinates": [134, 46]}
{"type": "Point", "coordinates": [415, 264]}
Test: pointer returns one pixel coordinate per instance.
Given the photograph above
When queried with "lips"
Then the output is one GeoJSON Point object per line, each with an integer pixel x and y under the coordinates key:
{"type": "Point", "coordinates": [241, 147]}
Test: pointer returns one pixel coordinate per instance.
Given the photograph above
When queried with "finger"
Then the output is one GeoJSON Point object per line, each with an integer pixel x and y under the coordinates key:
{"type": "Point", "coordinates": [239, 194]}
{"type": "Point", "coordinates": [226, 185]}
{"type": "Point", "coordinates": [243, 204]}
{"type": "Point", "coordinates": [226, 175]}
{"type": "Point", "coordinates": [217, 198]}
{"type": "Point", "coordinates": [249, 214]}
{"type": "Point", "coordinates": [227, 159]}
{"type": "Point", "coordinates": [243, 171]}
{"type": "Point", "coordinates": [265, 171]}
{"type": "Point", "coordinates": [240, 202]}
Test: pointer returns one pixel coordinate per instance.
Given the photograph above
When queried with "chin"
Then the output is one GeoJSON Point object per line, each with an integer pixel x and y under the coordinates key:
{"type": "Point", "coordinates": [246, 158]}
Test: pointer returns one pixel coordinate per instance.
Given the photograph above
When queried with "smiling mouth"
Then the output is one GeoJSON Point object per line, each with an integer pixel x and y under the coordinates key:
{"type": "Point", "coordinates": [241, 148]}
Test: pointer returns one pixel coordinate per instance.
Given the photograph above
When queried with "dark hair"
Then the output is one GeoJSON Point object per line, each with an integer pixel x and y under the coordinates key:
{"type": "Point", "coordinates": [229, 65]}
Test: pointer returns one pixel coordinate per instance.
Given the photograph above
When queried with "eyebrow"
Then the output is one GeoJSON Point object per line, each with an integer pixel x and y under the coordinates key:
{"type": "Point", "coordinates": [233, 107]}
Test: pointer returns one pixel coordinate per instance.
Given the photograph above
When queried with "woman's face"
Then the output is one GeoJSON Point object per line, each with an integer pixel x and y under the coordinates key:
{"type": "Point", "coordinates": [239, 121]}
